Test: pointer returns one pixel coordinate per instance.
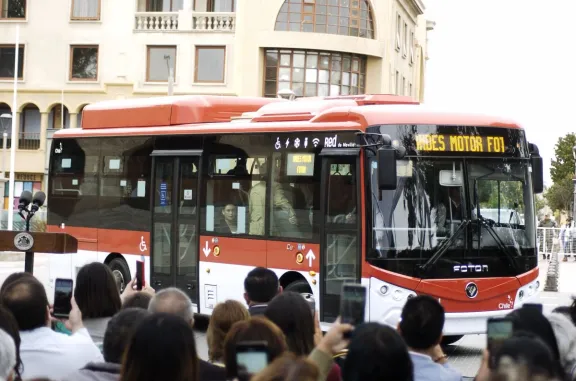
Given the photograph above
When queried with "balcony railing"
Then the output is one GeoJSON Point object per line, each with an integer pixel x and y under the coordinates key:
{"type": "Point", "coordinates": [183, 21]}
{"type": "Point", "coordinates": [157, 21]}
{"type": "Point", "coordinates": [29, 140]}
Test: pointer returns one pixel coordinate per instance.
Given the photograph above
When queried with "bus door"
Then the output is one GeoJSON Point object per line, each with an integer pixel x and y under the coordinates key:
{"type": "Point", "coordinates": [175, 221]}
{"type": "Point", "coordinates": [340, 228]}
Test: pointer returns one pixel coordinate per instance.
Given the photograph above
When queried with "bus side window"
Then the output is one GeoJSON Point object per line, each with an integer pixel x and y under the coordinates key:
{"type": "Point", "coordinates": [295, 195]}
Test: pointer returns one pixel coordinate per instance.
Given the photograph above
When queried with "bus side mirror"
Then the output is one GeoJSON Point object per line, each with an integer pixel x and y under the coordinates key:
{"type": "Point", "coordinates": [387, 176]}
{"type": "Point", "coordinates": [537, 173]}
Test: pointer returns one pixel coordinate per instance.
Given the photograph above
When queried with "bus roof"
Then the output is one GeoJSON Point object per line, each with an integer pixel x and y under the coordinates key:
{"type": "Point", "coordinates": [169, 111]}
{"type": "Point", "coordinates": [168, 115]}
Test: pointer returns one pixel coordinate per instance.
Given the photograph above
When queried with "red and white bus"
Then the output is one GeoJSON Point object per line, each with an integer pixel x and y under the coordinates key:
{"type": "Point", "coordinates": [374, 189]}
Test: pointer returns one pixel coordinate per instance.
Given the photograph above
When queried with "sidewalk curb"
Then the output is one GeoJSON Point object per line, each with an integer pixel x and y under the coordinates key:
{"type": "Point", "coordinates": [552, 274]}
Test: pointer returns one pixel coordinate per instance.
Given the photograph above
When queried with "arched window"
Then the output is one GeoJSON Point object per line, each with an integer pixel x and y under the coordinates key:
{"type": "Point", "coordinates": [344, 17]}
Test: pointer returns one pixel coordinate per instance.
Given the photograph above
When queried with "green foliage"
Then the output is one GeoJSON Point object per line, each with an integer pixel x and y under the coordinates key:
{"type": "Point", "coordinates": [560, 195]}
{"type": "Point", "coordinates": [507, 192]}
{"type": "Point", "coordinates": [540, 202]}
{"type": "Point", "coordinates": [563, 163]}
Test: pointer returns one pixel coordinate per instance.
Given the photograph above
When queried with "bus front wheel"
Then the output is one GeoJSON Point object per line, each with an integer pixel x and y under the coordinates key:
{"type": "Point", "coordinates": [121, 272]}
{"type": "Point", "coordinates": [447, 340]}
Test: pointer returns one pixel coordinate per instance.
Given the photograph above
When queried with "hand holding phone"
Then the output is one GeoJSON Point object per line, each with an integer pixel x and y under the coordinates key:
{"type": "Point", "coordinates": [498, 331]}
{"type": "Point", "coordinates": [140, 281]}
{"type": "Point", "coordinates": [251, 358]}
{"type": "Point", "coordinates": [352, 305]}
{"type": "Point", "coordinates": [63, 298]}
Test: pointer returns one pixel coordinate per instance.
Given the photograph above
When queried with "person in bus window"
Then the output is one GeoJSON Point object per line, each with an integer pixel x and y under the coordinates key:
{"type": "Point", "coordinates": [258, 204]}
{"type": "Point", "coordinates": [229, 222]}
{"type": "Point", "coordinates": [449, 211]}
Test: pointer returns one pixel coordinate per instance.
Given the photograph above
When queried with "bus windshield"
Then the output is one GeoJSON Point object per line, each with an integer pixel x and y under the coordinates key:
{"type": "Point", "coordinates": [452, 218]}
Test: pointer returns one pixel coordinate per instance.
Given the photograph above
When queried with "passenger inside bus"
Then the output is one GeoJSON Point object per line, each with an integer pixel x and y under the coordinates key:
{"type": "Point", "coordinates": [450, 211]}
{"type": "Point", "coordinates": [228, 223]}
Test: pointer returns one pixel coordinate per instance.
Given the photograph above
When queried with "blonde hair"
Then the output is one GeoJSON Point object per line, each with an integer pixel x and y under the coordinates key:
{"type": "Point", "coordinates": [222, 319]}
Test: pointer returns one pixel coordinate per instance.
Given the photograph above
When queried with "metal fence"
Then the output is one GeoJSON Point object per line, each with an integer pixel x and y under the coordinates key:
{"type": "Point", "coordinates": [556, 241]}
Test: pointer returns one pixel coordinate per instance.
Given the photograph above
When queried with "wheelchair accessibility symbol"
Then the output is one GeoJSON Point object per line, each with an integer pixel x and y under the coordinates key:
{"type": "Point", "coordinates": [143, 246]}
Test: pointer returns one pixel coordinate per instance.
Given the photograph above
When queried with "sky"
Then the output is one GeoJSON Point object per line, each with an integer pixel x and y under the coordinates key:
{"type": "Point", "coordinates": [509, 57]}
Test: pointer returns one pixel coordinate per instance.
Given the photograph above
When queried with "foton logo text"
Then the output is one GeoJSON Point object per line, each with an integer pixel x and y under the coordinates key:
{"type": "Point", "coordinates": [470, 268]}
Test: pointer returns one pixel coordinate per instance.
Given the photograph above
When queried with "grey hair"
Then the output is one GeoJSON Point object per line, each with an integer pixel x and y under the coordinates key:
{"type": "Point", "coordinates": [174, 301]}
{"type": "Point", "coordinates": [7, 355]}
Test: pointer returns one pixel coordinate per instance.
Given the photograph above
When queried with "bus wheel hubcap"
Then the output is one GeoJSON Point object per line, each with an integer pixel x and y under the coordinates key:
{"type": "Point", "coordinates": [119, 279]}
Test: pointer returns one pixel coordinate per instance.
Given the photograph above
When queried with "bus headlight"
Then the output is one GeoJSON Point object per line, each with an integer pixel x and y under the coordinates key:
{"type": "Point", "coordinates": [521, 295]}
{"type": "Point", "coordinates": [397, 296]}
{"type": "Point", "coordinates": [384, 290]}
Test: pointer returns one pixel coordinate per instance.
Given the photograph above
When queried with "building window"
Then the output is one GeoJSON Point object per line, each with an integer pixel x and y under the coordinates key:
{"type": "Point", "coordinates": [210, 64]}
{"type": "Point", "coordinates": [405, 41]}
{"type": "Point", "coordinates": [403, 85]}
{"type": "Point", "coordinates": [164, 5]}
{"type": "Point", "coordinates": [314, 73]}
{"type": "Point", "coordinates": [7, 57]}
{"type": "Point", "coordinates": [397, 83]}
{"type": "Point", "coordinates": [160, 60]}
{"type": "Point", "coordinates": [398, 31]}
{"type": "Point", "coordinates": [222, 5]}
{"type": "Point", "coordinates": [410, 86]}
{"type": "Point", "coordinates": [344, 17]}
{"type": "Point", "coordinates": [84, 63]}
{"type": "Point", "coordinates": [13, 9]}
{"type": "Point", "coordinates": [411, 50]}
{"type": "Point", "coordinates": [85, 10]}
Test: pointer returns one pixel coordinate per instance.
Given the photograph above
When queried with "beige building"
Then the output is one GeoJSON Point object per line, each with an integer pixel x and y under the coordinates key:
{"type": "Point", "coordinates": [75, 52]}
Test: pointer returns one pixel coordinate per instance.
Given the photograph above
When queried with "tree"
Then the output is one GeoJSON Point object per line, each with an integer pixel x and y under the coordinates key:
{"type": "Point", "coordinates": [563, 164]}
{"type": "Point", "coordinates": [560, 195]}
{"type": "Point", "coordinates": [540, 202]}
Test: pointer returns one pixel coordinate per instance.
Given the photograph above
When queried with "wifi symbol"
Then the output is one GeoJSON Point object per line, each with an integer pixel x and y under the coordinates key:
{"type": "Point", "coordinates": [315, 141]}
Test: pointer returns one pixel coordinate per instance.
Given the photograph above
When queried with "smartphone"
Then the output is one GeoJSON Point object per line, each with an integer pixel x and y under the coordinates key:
{"type": "Point", "coordinates": [251, 358]}
{"type": "Point", "coordinates": [498, 330]}
{"type": "Point", "coordinates": [535, 306]}
{"type": "Point", "coordinates": [311, 302]}
{"type": "Point", "coordinates": [352, 303]}
{"type": "Point", "coordinates": [63, 298]}
{"type": "Point", "coordinates": [140, 275]}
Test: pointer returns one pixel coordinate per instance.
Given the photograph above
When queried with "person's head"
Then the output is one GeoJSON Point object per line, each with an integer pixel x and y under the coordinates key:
{"type": "Point", "coordinates": [289, 367]}
{"type": "Point", "coordinates": [533, 322]}
{"type": "Point", "coordinates": [257, 328]}
{"type": "Point", "coordinates": [10, 326]}
{"type": "Point", "coordinates": [223, 317]}
{"type": "Point", "coordinates": [573, 310]}
{"type": "Point", "coordinates": [260, 286]}
{"type": "Point", "coordinates": [546, 216]}
{"type": "Point", "coordinates": [229, 213]}
{"type": "Point", "coordinates": [14, 277]}
{"type": "Point", "coordinates": [96, 292]}
{"type": "Point", "coordinates": [377, 352]}
{"type": "Point", "coordinates": [161, 348]}
{"type": "Point", "coordinates": [137, 300]}
{"type": "Point", "coordinates": [292, 314]}
{"type": "Point", "coordinates": [173, 301]}
{"type": "Point", "coordinates": [27, 301]}
{"type": "Point", "coordinates": [422, 322]}
{"type": "Point", "coordinates": [119, 332]}
{"type": "Point", "coordinates": [7, 356]}
{"type": "Point", "coordinates": [565, 333]}
{"type": "Point", "coordinates": [528, 350]}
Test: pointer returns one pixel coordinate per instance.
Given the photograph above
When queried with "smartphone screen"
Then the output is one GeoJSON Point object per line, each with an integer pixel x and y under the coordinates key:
{"type": "Point", "coordinates": [498, 330]}
{"type": "Point", "coordinates": [251, 358]}
{"type": "Point", "coordinates": [62, 297]}
{"type": "Point", "coordinates": [353, 304]}
{"type": "Point", "coordinates": [139, 275]}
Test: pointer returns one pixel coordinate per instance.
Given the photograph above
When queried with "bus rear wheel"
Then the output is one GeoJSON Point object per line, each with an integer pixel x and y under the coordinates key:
{"type": "Point", "coordinates": [447, 340]}
{"type": "Point", "coordinates": [121, 272]}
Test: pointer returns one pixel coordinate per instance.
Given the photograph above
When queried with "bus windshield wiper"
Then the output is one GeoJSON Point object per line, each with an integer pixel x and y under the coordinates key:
{"type": "Point", "coordinates": [443, 247]}
{"type": "Point", "coordinates": [497, 239]}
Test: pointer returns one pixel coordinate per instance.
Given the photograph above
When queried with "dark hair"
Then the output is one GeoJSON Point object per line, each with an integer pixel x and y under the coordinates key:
{"type": "Point", "coordinates": [96, 292]}
{"type": "Point", "coordinates": [223, 317]}
{"type": "Point", "coordinates": [137, 300]}
{"type": "Point", "coordinates": [119, 332]}
{"type": "Point", "coordinates": [10, 326]}
{"type": "Point", "coordinates": [422, 322]}
{"type": "Point", "coordinates": [26, 299]}
{"type": "Point", "coordinates": [377, 352]}
{"type": "Point", "coordinates": [289, 367]}
{"type": "Point", "coordinates": [531, 351]}
{"type": "Point", "coordinates": [261, 285]}
{"type": "Point", "coordinates": [162, 348]}
{"type": "Point", "coordinates": [532, 321]}
{"type": "Point", "coordinates": [257, 328]}
{"type": "Point", "coordinates": [292, 314]}
{"type": "Point", "coordinates": [573, 310]}
{"type": "Point", "coordinates": [14, 277]}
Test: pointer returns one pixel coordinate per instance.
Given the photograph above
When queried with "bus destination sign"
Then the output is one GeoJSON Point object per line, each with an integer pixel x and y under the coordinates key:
{"type": "Point", "coordinates": [460, 143]}
{"type": "Point", "coordinates": [300, 164]}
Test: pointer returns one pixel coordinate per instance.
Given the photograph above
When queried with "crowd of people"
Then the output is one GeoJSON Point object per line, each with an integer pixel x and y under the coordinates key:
{"type": "Point", "coordinates": [148, 336]}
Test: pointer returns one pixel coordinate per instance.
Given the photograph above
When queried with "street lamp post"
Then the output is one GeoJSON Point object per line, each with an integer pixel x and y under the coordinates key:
{"type": "Point", "coordinates": [574, 182]}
